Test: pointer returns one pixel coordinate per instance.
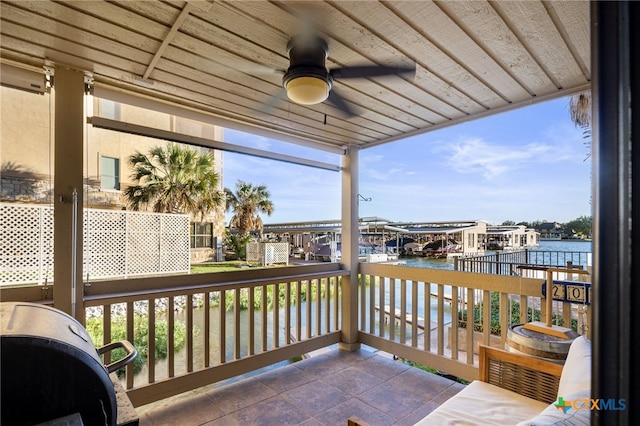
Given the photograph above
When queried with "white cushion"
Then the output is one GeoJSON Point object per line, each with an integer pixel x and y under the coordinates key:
{"type": "Point", "coordinates": [483, 404]}
{"type": "Point", "coordinates": [578, 414]}
{"type": "Point", "coordinates": [576, 373]}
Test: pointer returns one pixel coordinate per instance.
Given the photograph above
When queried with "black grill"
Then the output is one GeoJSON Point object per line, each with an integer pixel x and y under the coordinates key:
{"type": "Point", "coordinates": [50, 368]}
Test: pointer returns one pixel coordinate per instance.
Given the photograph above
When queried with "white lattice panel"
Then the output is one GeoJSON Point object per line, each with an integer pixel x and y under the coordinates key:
{"type": "Point", "coordinates": [115, 244]}
{"type": "Point", "coordinates": [105, 245]}
{"type": "Point", "coordinates": [26, 250]}
{"type": "Point", "coordinates": [173, 244]}
{"type": "Point", "coordinates": [268, 253]}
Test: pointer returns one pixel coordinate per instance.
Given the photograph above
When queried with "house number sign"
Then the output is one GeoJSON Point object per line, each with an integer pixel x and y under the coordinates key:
{"type": "Point", "coordinates": [569, 291]}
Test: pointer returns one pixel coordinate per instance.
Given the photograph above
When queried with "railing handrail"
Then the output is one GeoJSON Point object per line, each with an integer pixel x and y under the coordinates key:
{"type": "Point", "coordinates": [101, 293]}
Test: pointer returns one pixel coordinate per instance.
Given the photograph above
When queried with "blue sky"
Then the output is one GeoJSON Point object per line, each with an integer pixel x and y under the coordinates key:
{"type": "Point", "coordinates": [523, 165]}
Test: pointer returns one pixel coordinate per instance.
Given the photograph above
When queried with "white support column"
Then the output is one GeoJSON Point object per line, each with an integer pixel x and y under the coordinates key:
{"type": "Point", "coordinates": [68, 199]}
{"type": "Point", "coordinates": [350, 235]}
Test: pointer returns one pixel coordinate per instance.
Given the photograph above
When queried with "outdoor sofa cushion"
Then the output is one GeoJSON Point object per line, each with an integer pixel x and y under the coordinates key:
{"type": "Point", "coordinates": [576, 373]}
{"type": "Point", "coordinates": [482, 403]}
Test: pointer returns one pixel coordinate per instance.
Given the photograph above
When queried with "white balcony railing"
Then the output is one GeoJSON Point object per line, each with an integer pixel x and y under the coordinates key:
{"type": "Point", "coordinates": [409, 312]}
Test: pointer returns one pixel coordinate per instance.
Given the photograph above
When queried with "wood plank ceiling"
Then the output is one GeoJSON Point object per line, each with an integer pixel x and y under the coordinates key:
{"type": "Point", "coordinates": [473, 58]}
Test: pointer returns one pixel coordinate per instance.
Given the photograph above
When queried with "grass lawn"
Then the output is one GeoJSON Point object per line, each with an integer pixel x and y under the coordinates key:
{"type": "Point", "coordinates": [230, 265]}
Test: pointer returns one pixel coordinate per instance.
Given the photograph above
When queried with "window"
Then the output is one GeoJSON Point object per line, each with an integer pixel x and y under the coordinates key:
{"type": "Point", "coordinates": [201, 235]}
{"type": "Point", "coordinates": [110, 173]}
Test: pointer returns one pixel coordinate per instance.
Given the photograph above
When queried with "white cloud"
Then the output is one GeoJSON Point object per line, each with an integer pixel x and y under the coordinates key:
{"type": "Point", "coordinates": [476, 156]}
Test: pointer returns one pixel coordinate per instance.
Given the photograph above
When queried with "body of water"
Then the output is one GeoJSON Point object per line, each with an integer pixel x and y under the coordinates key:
{"type": "Point", "coordinates": [555, 245]}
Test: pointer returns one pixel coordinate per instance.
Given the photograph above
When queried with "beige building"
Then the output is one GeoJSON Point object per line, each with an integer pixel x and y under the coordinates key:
{"type": "Point", "coordinates": [27, 163]}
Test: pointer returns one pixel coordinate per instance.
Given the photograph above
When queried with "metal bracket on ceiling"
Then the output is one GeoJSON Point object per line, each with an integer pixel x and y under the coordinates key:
{"type": "Point", "coordinates": [88, 84]}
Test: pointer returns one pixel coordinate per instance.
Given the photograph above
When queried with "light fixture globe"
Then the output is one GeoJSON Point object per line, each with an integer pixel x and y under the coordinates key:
{"type": "Point", "coordinates": [306, 90]}
{"type": "Point", "coordinates": [307, 80]}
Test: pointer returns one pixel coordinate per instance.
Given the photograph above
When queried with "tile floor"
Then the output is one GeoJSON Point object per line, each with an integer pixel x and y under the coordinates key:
{"type": "Point", "coordinates": [322, 390]}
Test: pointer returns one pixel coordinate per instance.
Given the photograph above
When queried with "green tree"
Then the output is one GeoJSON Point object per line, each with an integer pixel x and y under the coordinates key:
{"type": "Point", "coordinates": [247, 203]}
{"type": "Point", "coordinates": [508, 223]}
{"type": "Point", "coordinates": [174, 179]}
{"type": "Point", "coordinates": [581, 225]}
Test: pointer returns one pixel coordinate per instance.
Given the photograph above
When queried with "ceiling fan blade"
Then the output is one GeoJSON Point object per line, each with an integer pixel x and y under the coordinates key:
{"type": "Point", "coordinates": [338, 101]}
{"type": "Point", "coordinates": [370, 71]}
{"type": "Point", "coordinates": [280, 96]}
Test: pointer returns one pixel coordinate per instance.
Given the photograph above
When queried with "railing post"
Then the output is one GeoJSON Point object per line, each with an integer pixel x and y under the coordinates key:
{"type": "Point", "coordinates": [69, 140]}
{"type": "Point", "coordinates": [349, 335]}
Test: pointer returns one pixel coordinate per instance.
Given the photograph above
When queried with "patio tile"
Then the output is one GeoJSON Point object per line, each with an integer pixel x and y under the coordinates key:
{"type": "Point", "coordinates": [285, 378]}
{"type": "Point", "coordinates": [392, 399]}
{"type": "Point", "coordinates": [193, 411]}
{"type": "Point", "coordinates": [418, 414]}
{"type": "Point", "coordinates": [448, 392]}
{"type": "Point", "coordinates": [421, 382]}
{"type": "Point", "coordinates": [273, 411]}
{"type": "Point", "coordinates": [320, 365]}
{"type": "Point", "coordinates": [240, 394]}
{"type": "Point", "coordinates": [316, 397]}
{"type": "Point", "coordinates": [326, 391]}
{"type": "Point", "coordinates": [352, 381]}
{"type": "Point", "coordinates": [381, 367]}
{"type": "Point", "coordinates": [339, 414]}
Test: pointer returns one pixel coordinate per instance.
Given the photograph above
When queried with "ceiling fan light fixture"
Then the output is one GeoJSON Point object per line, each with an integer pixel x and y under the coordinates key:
{"type": "Point", "coordinates": [307, 90]}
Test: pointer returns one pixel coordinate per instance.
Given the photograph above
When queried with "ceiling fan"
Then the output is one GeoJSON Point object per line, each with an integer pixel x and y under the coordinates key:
{"type": "Point", "coordinates": [308, 81]}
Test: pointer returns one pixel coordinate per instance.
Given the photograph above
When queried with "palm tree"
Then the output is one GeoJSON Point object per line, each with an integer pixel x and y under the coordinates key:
{"type": "Point", "coordinates": [580, 110]}
{"type": "Point", "coordinates": [174, 179]}
{"type": "Point", "coordinates": [247, 202]}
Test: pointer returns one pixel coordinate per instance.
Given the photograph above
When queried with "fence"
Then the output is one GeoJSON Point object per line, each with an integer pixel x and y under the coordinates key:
{"type": "Point", "coordinates": [507, 263]}
{"type": "Point", "coordinates": [115, 244]}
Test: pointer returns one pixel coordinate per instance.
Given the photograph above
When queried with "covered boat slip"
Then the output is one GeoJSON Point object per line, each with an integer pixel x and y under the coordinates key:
{"type": "Point", "coordinates": [472, 59]}
{"type": "Point", "coordinates": [430, 239]}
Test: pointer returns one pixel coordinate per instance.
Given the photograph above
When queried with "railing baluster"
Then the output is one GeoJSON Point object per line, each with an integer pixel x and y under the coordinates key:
{"type": "Point", "coordinates": [486, 316]}
{"type": "Point", "coordinates": [171, 344]}
{"type": "Point", "coordinates": [566, 314]}
{"type": "Point", "coordinates": [327, 305]}
{"type": "Point", "coordinates": [453, 334]}
{"type": "Point", "coordinates": [372, 303]}
{"type": "Point", "coordinates": [263, 313]}
{"type": "Point", "coordinates": [524, 309]}
{"type": "Point", "coordinates": [189, 309]}
{"type": "Point", "coordinates": [276, 315]}
{"type": "Point", "coordinates": [151, 341]}
{"type": "Point", "coordinates": [318, 307]}
{"type": "Point", "coordinates": [336, 303]}
{"type": "Point", "coordinates": [308, 306]}
{"type": "Point", "coordinates": [363, 300]}
{"type": "Point", "coordinates": [106, 331]}
{"type": "Point", "coordinates": [252, 321]}
{"type": "Point", "coordinates": [441, 319]}
{"type": "Point", "coordinates": [236, 324]}
{"type": "Point", "coordinates": [392, 309]}
{"type": "Point", "coordinates": [381, 304]}
{"type": "Point", "coordinates": [130, 338]}
{"type": "Point", "coordinates": [403, 312]}
{"type": "Point", "coordinates": [415, 318]}
{"type": "Point", "coordinates": [222, 327]}
{"type": "Point", "coordinates": [505, 317]}
{"type": "Point", "coordinates": [470, 323]}
{"type": "Point", "coordinates": [287, 313]}
{"type": "Point", "coordinates": [299, 310]}
{"type": "Point", "coordinates": [207, 328]}
{"type": "Point", "coordinates": [427, 316]}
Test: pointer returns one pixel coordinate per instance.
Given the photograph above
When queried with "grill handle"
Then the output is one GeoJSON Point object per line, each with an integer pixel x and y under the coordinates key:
{"type": "Point", "coordinates": [129, 357]}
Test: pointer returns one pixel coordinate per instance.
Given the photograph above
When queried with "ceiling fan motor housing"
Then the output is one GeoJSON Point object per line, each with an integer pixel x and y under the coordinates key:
{"type": "Point", "coordinates": [307, 59]}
